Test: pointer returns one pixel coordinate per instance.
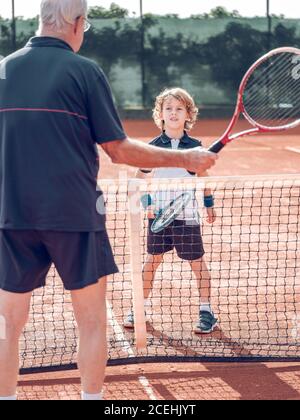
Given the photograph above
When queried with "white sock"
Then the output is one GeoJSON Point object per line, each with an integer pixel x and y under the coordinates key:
{"type": "Point", "coordinates": [91, 397]}
{"type": "Point", "coordinates": [206, 307]}
{"type": "Point", "coordinates": [11, 398]}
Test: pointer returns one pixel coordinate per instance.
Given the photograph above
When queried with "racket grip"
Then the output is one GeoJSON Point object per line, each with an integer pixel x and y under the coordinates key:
{"type": "Point", "coordinates": [216, 147]}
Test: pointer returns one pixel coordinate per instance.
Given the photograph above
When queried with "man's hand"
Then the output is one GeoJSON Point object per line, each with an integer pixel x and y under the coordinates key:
{"type": "Point", "coordinates": [199, 160]}
{"type": "Point", "coordinates": [136, 153]}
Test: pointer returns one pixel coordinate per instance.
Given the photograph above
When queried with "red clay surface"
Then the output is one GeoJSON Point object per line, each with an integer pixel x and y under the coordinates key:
{"type": "Point", "coordinates": [180, 381]}
{"type": "Point", "coordinates": [266, 154]}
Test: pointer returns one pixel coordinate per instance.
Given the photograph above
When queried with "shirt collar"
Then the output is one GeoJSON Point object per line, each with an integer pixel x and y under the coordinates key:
{"type": "Point", "coordinates": [165, 139]}
{"type": "Point", "coordinates": [47, 41]}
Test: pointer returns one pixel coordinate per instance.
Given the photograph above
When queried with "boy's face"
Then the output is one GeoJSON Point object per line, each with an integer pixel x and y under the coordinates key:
{"type": "Point", "coordinates": [174, 114]}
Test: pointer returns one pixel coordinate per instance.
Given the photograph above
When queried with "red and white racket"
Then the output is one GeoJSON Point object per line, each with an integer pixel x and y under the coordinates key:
{"type": "Point", "coordinates": [268, 97]}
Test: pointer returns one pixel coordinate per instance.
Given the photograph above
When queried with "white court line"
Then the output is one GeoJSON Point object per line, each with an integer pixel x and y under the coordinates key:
{"type": "Point", "coordinates": [148, 388]}
{"type": "Point", "coordinates": [118, 330]}
{"type": "Point", "coordinates": [293, 149]}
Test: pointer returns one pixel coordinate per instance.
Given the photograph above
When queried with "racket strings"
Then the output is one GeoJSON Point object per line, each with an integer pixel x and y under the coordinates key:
{"type": "Point", "coordinates": [285, 112]}
{"type": "Point", "coordinates": [273, 98]}
{"type": "Point", "coordinates": [272, 94]}
{"type": "Point", "coordinates": [177, 206]}
{"type": "Point", "coordinates": [171, 212]}
{"type": "Point", "coordinates": [277, 90]}
{"type": "Point", "coordinates": [276, 105]}
{"type": "Point", "coordinates": [256, 80]}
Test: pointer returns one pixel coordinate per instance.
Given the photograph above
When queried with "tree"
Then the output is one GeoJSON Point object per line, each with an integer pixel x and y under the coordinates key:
{"type": "Point", "coordinates": [274, 16]}
{"type": "Point", "coordinates": [170, 16]}
{"type": "Point", "coordinates": [218, 13]}
{"type": "Point", "coordinates": [115, 11]}
{"type": "Point", "coordinates": [167, 69]}
{"type": "Point", "coordinates": [285, 36]}
{"type": "Point", "coordinates": [170, 59]}
{"type": "Point", "coordinates": [221, 13]}
{"type": "Point", "coordinates": [232, 52]}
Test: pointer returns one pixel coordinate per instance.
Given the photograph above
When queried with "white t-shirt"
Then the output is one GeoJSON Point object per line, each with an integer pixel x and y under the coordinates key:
{"type": "Point", "coordinates": [162, 198]}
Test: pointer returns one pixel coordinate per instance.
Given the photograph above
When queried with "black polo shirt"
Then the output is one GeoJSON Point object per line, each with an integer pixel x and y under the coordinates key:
{"type": "Point", "coordinates": [186, 142]}
{"type": "Point", "coordinates": [165, 142]}
{"type": "Point", "coordinates": [55, 107]}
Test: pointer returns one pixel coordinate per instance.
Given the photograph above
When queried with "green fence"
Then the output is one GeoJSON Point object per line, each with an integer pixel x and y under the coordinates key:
{"type": "Point", "coordinates": [206, 56]}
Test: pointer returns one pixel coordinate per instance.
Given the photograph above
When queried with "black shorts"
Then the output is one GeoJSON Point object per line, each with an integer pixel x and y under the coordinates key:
{"type": "Point", "coordinates": [186, 239]}
{"type": "Point", "coordinates": [80, 259]}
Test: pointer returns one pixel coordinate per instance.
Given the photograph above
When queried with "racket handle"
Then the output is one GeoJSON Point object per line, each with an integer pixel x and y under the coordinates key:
{"type": "Point", "coordinates": [216, 147]}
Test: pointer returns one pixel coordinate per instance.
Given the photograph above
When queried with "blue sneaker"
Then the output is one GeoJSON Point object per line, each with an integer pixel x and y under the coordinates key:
{"type": "Point", "coordinates": [129, 321]}
{"type": "Point", "coordinates": [206, 324]}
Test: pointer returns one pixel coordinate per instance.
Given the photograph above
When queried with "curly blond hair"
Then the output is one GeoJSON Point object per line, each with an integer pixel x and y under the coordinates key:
{"type": "Point", "coordinates": [181, 95]}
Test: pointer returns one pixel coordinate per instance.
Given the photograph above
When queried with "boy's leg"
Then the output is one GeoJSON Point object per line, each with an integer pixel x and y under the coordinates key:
{"type": "Point", "coordinates": [14, 310]}
{"type": "Point", "coordinates": [207, 321]}
{"type": "Point", "coordinates": [149, 271]}
{"type": "Point", "coordinates": [91, 316]}
{"type": "Point", "coordinates": [157, 245]}
{"type": "Point", "coordinates": [203, 278]}
{"type": "Point", "coordinates": [189, 246]}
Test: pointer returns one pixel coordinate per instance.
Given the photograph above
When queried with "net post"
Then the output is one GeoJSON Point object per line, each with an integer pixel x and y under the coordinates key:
{"type": "Point", "coordinates": [135, 229]}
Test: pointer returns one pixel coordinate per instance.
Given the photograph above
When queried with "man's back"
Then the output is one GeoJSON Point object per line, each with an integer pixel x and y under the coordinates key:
{"type": "Point", "coordinates": [49, 128]}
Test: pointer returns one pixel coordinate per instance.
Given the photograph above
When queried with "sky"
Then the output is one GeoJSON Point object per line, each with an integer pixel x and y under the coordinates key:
{"type": "Point", "coordinates": [290, 8]}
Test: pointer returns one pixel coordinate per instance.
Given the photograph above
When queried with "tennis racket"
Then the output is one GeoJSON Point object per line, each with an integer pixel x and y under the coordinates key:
{"type": "Point", "coordinates": [167, 215]}
{"type": "Point", "coordinates": [268, 97]}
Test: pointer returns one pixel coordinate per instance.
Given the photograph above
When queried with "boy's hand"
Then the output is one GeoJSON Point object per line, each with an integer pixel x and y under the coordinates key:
{"type": "Point", "coordinates": [199, 160]}
{"type": "Point", "coordinates": [146, 201]}
{"type": "Point", "coordinates": [211, 215]}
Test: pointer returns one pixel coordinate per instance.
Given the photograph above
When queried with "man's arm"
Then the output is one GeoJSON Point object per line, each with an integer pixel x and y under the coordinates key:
{"type": "Point", "coordinates": [140, 155]}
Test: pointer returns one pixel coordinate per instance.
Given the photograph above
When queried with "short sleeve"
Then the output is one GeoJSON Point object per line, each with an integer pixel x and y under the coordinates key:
{"type": "Point", "coordinates": [198, 143]}
{"type": "Point", "coordinates": [104, 120]}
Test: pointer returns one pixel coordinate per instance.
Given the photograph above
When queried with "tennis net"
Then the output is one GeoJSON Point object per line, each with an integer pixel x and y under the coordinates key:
{"type": "Point", "coordinates": [252, 253]}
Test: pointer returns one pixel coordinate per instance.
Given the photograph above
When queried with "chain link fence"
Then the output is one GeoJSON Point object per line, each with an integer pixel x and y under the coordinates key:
{"type": "Point", "coordinates": [205, 56]}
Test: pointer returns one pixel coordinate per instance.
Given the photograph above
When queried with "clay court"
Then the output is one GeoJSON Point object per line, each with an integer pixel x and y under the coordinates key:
{"type": "Point", "coordinates": [175, 379]}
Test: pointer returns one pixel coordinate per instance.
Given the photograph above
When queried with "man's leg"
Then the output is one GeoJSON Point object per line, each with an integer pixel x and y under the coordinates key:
{"type": "Point", "coordinates": [91, 316]}
{"type": "Point", "coordinates": [14, 310]}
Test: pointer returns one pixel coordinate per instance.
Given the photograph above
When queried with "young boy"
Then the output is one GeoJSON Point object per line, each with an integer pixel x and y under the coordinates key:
{"type": "Point", "coordinates": [175, 113]}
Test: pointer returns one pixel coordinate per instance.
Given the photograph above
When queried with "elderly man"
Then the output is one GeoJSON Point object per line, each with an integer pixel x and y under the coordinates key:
{"type": "Point", "coordinates": [55, 107]}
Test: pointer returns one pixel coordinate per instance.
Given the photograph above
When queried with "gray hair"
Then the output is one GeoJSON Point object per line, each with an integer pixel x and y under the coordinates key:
{"type": "Point", "coordinates": [58, 14]}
